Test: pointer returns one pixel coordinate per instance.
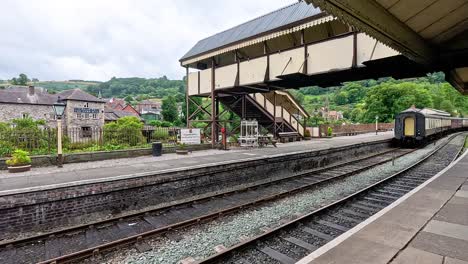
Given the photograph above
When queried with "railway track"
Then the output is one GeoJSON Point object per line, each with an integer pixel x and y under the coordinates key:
{"type": "Point", "coordinates": [296, 239]}
{"type": "Point", "coordinates": [87, 240]}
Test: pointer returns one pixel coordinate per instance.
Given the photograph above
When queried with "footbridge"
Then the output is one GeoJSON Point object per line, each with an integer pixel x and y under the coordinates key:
{"type": "Point", "coordinates": [248, 68]}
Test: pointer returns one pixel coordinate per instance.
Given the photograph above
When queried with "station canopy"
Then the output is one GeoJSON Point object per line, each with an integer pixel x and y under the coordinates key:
{"type": "Point", "coordinates": [292, 18]}
{"type": "Point", "coordinates": [433, 33]}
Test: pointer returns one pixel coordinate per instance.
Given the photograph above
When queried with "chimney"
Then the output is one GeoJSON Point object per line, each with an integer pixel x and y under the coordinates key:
{"type": "Point", "coordinates": [31, 90]}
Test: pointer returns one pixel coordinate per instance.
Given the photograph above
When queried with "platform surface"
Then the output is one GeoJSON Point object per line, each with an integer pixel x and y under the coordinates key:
{"type": "Point", "coordinates": [428, 226]}
{"type": "Point", "coordinates": [102, 170]}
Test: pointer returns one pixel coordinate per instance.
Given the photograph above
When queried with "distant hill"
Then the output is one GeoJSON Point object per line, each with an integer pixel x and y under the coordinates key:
{"type": "Point", "coordinates": [58, 86]}
{"type": "Point", "coordinates": [140, 87]}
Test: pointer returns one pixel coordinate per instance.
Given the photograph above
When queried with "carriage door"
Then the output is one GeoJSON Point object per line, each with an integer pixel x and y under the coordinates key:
{"type": "Point", "coordinates": [409, 126]}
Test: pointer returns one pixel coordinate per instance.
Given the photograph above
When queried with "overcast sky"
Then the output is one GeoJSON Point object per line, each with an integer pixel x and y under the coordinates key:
{"type": "Point", "coordinates": [98, 39]}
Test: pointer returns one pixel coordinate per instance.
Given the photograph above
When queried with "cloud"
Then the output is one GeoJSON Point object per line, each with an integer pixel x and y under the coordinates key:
{"type": "Point", "coordinates": [99, 39]}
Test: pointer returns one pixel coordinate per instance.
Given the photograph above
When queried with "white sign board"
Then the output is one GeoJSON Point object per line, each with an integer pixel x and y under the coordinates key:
{"type": "Point", "coordinates": [190, 136]}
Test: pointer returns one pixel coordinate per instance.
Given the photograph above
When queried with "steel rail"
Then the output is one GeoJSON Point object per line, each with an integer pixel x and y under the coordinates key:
{"type": "Point", "coordinates": [138, 238]}
{"type": "Point", "coordinates": [231, 250]}
{"type": "Point", "coordinates": [170, 206]}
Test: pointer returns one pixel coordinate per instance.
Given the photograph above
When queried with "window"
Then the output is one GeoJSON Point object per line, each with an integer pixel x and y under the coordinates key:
{"type": "Point", "coordinates": [86, 116]}
{"type": "Point", "coordinates": [94, 116]}
{"type": "Point", "coordinates": [86, 105]}
{"type": "Point", "coordinates": [86, 132]}
{"type": "Point", "coordinates": [78, 115]}
{"type": "Point", "coordinates": [25, 115]}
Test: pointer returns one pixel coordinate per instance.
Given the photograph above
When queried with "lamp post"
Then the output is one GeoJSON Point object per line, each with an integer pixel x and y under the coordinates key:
{"type": "Point", "coordinates": [59, 109]}
{"type": "Point", "coordinates": [376, 124]}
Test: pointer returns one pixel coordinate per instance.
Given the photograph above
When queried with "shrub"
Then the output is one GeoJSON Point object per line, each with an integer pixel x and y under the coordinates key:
{"type": "Point", "coordinates": [166, 124]}
{"type": "Point", "coordinates": [181, 146]}
{"type": "Point", "coordinates": [306, 133]}
{"type": "Point", "coordinates": [155, 123]}
{"type": "Point", "coordinates": [330, 131]}
{"type": "Point", "coordinates": [125, 131]}
{"type": "Point", "coordinates": [5, 148]}
{"type": "Point", "coordinates": [19, 158]}
{"type": "Point", "coordinates": [233, 139]}
{"type": "Point", "coordinates": [161, 134]}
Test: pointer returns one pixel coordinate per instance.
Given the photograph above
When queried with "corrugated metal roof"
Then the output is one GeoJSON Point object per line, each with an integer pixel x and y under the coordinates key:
{"type": "Point", "coordinates": [276, 19]}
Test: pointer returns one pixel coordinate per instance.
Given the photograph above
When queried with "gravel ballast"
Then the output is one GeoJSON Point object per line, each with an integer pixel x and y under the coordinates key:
{"type": "Point", "coordinates": [199, 241]}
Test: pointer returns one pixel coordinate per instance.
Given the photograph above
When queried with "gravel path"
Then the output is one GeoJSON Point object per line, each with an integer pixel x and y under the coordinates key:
{"type": "Point", "coordinates": [199, 241]}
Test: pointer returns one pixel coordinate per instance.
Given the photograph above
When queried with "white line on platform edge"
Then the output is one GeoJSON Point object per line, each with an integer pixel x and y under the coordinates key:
{"type": "Point", "coordinates": [158, 172]}
{"type": "Point", "coordinates": [335, 242]}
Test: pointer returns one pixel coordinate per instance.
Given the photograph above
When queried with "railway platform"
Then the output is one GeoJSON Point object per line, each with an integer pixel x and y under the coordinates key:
{"type": "Point", "coordinates": [99, 171]}
{"type": "Point", "coordinates": [429, 225]}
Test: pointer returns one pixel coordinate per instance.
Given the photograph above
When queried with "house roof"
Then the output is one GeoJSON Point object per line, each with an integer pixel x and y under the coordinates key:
{"type": "Point", "coordinates": [427, 111]}
{"type": "Point", "coordinates": [79, 95]}
{"type": "Point", "coordinates": [113, 114]}
{"type": "Point", "coordinates": [255, 27]}
{"type": "Point", "coordinates": [20, 95]}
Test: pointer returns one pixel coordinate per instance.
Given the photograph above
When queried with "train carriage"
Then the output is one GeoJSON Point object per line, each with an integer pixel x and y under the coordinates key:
{"type": "Point", "coordinates": [415, 127]}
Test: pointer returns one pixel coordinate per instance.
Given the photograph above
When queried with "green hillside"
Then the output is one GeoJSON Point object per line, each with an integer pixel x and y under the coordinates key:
{"type": "Point", "coordinates": [58, 86]}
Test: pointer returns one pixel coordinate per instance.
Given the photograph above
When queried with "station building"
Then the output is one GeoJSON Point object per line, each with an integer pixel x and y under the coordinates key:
{"type": "Point", "coordinates": [84, 112]}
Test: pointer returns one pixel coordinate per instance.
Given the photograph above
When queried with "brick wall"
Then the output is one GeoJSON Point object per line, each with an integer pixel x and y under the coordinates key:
{"type": "Point", "coordinates": [37, 210]}
{"type": "Point", "coordinates": [361, 128]}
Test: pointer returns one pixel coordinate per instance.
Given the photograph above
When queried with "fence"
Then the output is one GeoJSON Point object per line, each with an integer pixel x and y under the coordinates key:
{"type": "Point", "coordinates": [339, 130]}
{"type": "Point", "coordinates": [82, 139]}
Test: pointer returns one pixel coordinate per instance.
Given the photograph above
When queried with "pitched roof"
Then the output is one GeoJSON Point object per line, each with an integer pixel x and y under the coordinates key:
{"type": "Point", "coordinates": [20, 95]}
{"type": "Point", "coordinates": [266, 23]}
{"type": "Point", "coordinates": [79, 95]}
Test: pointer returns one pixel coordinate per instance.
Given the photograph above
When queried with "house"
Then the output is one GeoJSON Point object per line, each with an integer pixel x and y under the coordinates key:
{"type": "Point", "coordinates": [83, 112]}
{"type": "Point", "coordinates": [149, 105]}
{"type": "Point", "coordinates": [335, 115]}
{"type": "Point", "coordinates": [116, 108]}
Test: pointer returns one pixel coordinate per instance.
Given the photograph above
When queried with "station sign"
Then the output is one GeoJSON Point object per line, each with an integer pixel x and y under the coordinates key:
{"type": "Point", "coordinates": [86, 110]}
{"type": "Point", "coordinates": [190, 136]}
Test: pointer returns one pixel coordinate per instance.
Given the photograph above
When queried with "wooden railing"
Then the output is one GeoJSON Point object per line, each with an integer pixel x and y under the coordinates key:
{"type": "Point", "coordinates": [281, 112]}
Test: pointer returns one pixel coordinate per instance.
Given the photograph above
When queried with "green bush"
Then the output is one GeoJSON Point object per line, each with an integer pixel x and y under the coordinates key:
{"type": "Point", "coordinates": [5, 148]}
{"type": "Point", "coordinates": [166, 124]}
{"type": "Point", "coordinates": [233, 139]}
{"type": "Point", "coordinates": [81, 145]}
{"type": "Point", "coordinates": [19, 158]}
{"type": "Point", "coordinates": [306, 133]}
{"type": "Point", "coordinates": [155, 123]}
{"type": "Point", "coordinates": [330, 131]}
{"type": "Point", "coordinates": [161, 134]}
{"type": "Point", "coordinates": [125, 131]}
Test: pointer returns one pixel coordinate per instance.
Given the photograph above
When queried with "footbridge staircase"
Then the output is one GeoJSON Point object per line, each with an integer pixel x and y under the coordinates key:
{"type": "Point", "coordinates": [276, 111]}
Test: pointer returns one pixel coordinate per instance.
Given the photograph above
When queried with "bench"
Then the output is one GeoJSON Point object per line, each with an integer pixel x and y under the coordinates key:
{"type": "Point", "coordinates": [263, 141]}
{"type": "Point", "coordinates": [289, 136]}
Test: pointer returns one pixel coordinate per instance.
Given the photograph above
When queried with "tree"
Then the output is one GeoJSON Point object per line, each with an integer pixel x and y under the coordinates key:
{"type": "Point", "coordinates": [388, 99]}
{"type": "Point", "coordinates": [128, 99]}
{"type": "Point", "coordinates": [21, 80]}
{"type": "Point", "coordinates": [169, 109]}
{"type": "Point", "coordinates": [192, 109]}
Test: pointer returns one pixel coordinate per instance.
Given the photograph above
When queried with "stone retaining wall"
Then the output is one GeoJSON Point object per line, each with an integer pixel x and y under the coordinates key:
{"type": "Point", "coordinates": [39, 210]}
{"type": "Point", "coordinates": [50, 160]}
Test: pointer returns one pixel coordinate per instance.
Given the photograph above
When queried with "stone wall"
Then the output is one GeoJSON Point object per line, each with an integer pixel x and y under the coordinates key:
{"type": "Point", "coordinates": [78, 120]}
{"type": "Point", "coordinates": [50, 160]}
{"type": "Point", "coordinates": [72, 205]}
{"type": "Point", "coordinates": [13, 111]}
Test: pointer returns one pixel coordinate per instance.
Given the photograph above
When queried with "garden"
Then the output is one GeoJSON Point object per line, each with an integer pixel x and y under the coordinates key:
{"type": "Point", "coordinates": [37, 139]}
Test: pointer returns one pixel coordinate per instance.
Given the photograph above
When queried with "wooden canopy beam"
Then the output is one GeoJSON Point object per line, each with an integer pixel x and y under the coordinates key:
{"type": "Point", "coordinates": [370, 17]}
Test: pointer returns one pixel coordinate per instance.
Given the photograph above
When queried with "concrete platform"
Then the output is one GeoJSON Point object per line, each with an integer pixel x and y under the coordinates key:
{"type": "Point", "coordinates": [428, 225]}
{"type": "Point", "coordinates": [89, 172]}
